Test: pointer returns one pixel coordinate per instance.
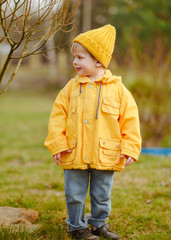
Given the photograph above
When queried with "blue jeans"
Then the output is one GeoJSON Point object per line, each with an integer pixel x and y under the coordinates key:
{"type": "Point", "coordinates": [76, 186]}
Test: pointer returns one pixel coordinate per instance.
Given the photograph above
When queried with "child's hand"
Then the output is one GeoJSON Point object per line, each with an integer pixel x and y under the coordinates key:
{"type": "Point", "coordinates": [129, 160]}
{"type": "Point", "coordinates": [57, 157]}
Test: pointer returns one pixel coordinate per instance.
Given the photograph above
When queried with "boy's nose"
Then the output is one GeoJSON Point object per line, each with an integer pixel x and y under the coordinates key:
{"type": "Point", "coordinates": [75, 62]}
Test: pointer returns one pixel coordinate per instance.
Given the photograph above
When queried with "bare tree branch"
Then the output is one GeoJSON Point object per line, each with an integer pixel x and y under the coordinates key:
{"type": "Point", "coordinates": [27, 27]}
{"type": "Point", "coordinates": [14, 73]}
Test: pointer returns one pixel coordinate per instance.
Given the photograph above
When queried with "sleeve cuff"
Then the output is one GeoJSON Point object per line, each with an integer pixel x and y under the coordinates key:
{"type": "Point", "coordinates": [56, 146]}
{"type": "Point", "coordinates": [130, 149]}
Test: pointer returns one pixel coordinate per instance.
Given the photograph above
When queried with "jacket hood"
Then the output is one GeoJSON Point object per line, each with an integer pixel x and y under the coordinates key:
{"type": "Point", "coordinates": [106, 78]}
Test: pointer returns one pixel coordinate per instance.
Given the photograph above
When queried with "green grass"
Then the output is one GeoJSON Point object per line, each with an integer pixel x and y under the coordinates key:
{"type": "Point", "coordinates": [29, 178]}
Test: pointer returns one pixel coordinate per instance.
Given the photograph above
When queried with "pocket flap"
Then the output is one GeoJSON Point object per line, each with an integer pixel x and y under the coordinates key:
{"type": "Point", "coordinates": [108, 152]}
{"type": "Point", "coordinates": [72, 143]}
{"type": "Point", "coordinates": [110, 144]}
{"type": "Point", "coordinates": [111, 102]}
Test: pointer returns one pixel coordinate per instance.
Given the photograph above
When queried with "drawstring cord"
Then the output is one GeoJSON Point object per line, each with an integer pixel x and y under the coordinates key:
{"type": "Point", "coordinates": [80, 88]}
{"type": "Point", "coordinates": [98, 101]}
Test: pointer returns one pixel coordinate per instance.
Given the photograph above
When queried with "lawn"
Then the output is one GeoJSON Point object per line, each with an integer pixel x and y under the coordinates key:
{"type": "Point", "coordinates": [29, 178]}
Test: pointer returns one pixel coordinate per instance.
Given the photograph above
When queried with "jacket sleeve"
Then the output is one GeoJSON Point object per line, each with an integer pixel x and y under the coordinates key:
{"type": "Point", "coordinates": [129, 125]}
{"type": "Point", "coordinates": [56, 141]}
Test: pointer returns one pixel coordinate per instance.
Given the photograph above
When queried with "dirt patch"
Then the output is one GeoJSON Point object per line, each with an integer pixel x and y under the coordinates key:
{"type": "Point", "coordinates": [18, 218]}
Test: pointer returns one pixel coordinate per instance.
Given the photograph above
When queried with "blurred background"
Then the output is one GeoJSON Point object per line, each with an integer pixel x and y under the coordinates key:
{"type": "Point", "coordinates": [142, 56]}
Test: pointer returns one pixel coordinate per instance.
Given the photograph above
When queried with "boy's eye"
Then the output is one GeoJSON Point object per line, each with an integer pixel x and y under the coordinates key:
{"type": "Point", "coordinates": [79, 57]}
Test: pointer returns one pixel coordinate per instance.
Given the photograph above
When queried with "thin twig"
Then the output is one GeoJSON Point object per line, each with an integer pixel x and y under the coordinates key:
{"type": "Point", "coordinates": [22, 24]}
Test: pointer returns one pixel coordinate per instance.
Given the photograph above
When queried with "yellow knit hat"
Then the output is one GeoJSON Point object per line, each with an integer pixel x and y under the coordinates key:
{"type": "Point", "coordinates": [99, 42]}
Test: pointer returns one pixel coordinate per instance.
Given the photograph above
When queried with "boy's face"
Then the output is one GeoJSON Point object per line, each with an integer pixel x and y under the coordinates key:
{"type": "Point", "coordinates": [84, 63]}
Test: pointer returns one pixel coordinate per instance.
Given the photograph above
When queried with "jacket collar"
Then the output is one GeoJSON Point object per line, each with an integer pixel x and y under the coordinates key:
{"type": "Point", "coordinates": [106, 78]}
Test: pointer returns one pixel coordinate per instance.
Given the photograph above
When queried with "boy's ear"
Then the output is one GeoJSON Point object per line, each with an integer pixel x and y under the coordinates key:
{"type": "Point", "coordinates": [98, 64]}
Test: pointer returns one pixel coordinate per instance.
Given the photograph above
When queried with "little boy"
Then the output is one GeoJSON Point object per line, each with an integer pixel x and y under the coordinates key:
{"type": "Point", "coordinates": [93, 131]}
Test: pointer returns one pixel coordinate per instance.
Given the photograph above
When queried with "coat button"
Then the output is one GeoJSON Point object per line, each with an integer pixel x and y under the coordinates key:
{"type": "Point", "coordinates": [85, 121]}
{"type": "Point", "coordinates": [85, 158]}
{"type": "Point", "coordinates": [104, 143]}
{"type": "Point", "coordinates": [118, 145]}
{"type": "Point", "coordinates": [73, 110]}
{"type": "Point", "coordinates": [89, 86]}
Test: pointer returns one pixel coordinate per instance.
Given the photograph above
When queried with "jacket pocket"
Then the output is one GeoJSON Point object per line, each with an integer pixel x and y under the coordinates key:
{"type": "Point", "coordinates": [68, 158]}
{"type": "Point", "coordinates": [110, 106]}
{"type": "Point", "coordinates": [109, 152]}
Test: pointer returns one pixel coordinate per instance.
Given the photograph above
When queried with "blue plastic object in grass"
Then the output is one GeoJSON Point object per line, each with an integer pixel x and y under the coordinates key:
{"type": "Point", "coordinates": [156, 151]}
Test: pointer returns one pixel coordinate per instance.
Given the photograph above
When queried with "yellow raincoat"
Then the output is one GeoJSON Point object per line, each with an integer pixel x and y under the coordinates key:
{"type": "Point", "coordinates": [97, 121]}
